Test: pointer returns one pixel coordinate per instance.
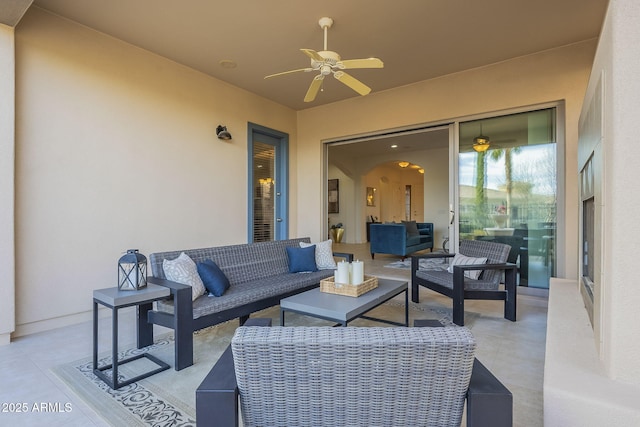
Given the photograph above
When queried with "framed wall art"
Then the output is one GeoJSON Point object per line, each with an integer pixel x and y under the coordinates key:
{"type": "Point", "coordinates": [333, 196]}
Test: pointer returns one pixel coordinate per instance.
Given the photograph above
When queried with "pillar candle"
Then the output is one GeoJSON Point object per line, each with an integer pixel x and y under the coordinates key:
{"type": "Point", "coordinates": [342, 275]}
{"type": "Point", "coordinates": [358, 272]}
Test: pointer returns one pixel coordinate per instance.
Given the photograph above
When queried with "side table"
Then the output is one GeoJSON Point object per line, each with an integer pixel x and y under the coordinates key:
{"type": "Point", "coordinates": [116, 299]}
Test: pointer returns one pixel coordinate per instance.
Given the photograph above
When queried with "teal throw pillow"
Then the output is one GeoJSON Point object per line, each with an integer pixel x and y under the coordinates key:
{"type": "Point", "coordinates": [213, 278]}
{"type": "Point", "coordinates": [302, 259]}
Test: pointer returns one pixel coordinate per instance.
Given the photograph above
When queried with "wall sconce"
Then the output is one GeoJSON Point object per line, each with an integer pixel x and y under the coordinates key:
{"type": "Point", "coordinates": [222, 133]}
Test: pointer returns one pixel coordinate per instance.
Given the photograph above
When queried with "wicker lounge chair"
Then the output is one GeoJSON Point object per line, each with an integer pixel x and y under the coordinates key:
{"type": "Point", "coordinates": [323, 376]}
{"type": "Point", "coordinates": [459, 287]}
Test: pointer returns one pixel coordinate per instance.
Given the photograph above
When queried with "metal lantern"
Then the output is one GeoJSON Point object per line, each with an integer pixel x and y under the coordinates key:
{"type": "Point", "coordinates": [132, 271]}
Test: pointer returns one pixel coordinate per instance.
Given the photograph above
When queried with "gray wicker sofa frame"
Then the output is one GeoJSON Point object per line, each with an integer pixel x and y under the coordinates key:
{"type": "Point", "coordinates": [407, 398]}
{"type": "Point", "coordinates": [259, 277]}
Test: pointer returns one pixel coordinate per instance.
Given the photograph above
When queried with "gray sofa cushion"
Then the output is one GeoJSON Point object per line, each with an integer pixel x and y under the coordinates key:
{"type": "Point", "coordinates": [240, 294]}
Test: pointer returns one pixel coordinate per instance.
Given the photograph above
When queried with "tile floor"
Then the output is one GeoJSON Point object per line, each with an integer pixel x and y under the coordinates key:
{"type": "Point", "coordinates": [513, 351]}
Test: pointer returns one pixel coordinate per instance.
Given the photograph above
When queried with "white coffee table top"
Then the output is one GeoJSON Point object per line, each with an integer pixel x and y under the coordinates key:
{"type": "Point", "coordinates": [342, 308]}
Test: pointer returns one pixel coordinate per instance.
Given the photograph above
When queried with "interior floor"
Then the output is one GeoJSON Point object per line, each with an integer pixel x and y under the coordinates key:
{"type": "Point", "coordinates": [513, 351]}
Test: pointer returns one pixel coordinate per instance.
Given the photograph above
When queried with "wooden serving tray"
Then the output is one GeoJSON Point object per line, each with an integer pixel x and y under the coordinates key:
{"type": "Point", "coordinates": [329, 286]}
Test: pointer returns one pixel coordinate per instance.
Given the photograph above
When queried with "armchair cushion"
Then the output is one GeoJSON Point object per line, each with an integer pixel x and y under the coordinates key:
{"type": "Point", "coordinates": [444, 278]}
{"type": "Point", "coordinates": [460, 259]}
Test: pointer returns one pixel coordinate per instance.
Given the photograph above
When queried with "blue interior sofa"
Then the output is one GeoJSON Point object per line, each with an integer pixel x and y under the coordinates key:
{"type": "Point", "coordinates": [401, 239]}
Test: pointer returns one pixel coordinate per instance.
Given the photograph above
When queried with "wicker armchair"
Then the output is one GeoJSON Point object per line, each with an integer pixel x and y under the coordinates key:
{"type": "Point", "coordinates": [323, 376]}
{"type": "Point", "coordinates": [458, 287]}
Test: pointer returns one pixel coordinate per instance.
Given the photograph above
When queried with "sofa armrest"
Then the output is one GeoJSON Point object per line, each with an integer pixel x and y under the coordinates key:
{"type": "Point", "coordinates": [425, 228]}
{"type": "Point", "coordinates": [181, 321]}
{"type": "Point", "coordinates": [510, 285]}
{"type": "Point", "coordinates": [388, 239]}
{"type": "Point", "coordinates": [415, 259]}
{"type": "Point", "coordinates": [173, 286]}
{"type": "Point", "coordinates": [217, 395]}
{"type": "Point", "coordinates": [489, 402]}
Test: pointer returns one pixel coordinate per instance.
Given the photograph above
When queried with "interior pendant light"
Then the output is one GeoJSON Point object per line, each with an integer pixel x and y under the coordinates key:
{"type": "Point", "coordinates": [481, 143]}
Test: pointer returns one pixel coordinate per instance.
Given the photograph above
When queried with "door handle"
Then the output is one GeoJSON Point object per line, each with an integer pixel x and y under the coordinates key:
{"type": "Point", "coordinates": [279, 219]}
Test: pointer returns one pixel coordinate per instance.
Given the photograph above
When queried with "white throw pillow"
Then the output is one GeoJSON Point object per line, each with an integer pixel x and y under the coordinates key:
{"type": "Point", "coordinates": [183, 270]}
{"type": "Point", "coordinates": [324, 254]}
{"type": "Point", "coordinates": [459, 259]}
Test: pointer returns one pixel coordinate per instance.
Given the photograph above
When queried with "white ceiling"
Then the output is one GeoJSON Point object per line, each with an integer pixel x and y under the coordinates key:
{"type": "Point", "coordinates": [416, 39]}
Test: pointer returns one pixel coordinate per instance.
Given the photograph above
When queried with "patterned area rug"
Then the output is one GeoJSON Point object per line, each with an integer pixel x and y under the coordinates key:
{"type": "Point", "coordinates": [168, 398]}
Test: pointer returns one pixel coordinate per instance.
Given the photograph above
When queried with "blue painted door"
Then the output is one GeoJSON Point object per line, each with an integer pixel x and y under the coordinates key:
{"type": "Point", "coordinates": [268, 184]}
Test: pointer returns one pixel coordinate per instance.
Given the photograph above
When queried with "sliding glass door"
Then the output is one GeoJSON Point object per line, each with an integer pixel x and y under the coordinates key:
{"type": "Point", "coordinates": [508, 188]}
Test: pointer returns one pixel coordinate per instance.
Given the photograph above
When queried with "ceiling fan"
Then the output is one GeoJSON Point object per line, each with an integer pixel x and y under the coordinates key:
{"type": "Point", "coordinates": [329, 62]}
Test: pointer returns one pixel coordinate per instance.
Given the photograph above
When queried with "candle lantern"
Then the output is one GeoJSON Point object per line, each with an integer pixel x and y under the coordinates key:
{"type": "Point", "coordinates": [132, 271]}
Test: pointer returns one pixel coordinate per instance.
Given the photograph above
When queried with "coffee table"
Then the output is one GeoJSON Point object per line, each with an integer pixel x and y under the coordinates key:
{"type": "Point", "coordinates": [342, 308]}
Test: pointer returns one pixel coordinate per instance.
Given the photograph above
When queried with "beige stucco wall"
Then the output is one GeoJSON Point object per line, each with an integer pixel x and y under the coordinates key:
{"type": "Point", "coordinates": [7, 157]}
{"type": "Point", "coordinates": [618, 62]}
{"type": "Point", "coordinates": [116, 149]}
{"type": "Point", "coordinates": [555, 75]}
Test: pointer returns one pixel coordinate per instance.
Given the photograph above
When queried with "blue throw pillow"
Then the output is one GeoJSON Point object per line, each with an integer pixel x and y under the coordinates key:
{"type": "Point", "coordinates": [302, 259]}
{"type": "Point", "coordinates": [213, 278]}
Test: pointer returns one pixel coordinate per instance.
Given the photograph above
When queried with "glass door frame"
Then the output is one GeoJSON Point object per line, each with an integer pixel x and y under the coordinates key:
{"type": "Point", "coordinates": [280, 141]}
{"type": "Point", "coordinates": [454, 195]}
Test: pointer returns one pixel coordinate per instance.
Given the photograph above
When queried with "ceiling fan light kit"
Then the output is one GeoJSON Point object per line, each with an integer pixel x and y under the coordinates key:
{"type": "Point", "coordinates": [328, 62]}
{"type": "Point", "coordinates": [481, 143]}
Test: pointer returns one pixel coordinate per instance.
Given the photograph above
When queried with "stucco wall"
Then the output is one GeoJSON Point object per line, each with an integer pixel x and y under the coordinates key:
{"type": "Point", "coordinates": [617, 64]}
{"type": "Point", "coordinates": [116, 149]}
{"type": "Point", "coordinates": [555, 75]}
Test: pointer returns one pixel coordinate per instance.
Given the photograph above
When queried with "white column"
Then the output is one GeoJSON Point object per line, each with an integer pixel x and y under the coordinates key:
{"type": "Point", "coordinates": [7, 180]}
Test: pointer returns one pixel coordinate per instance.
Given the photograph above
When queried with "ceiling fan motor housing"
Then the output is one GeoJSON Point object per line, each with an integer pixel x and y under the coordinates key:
{"type": "Point", "coordinates": [330, 58]}
{"type": "Point", "coordinates": [325, 22]}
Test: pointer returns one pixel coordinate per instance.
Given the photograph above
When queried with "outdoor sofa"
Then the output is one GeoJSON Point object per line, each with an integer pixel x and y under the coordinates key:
{"type": "Point", "coordinates": [259, 278]}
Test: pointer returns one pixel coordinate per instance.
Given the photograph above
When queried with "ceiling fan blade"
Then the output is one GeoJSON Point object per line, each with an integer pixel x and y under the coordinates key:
{"type": "Point", "coordinates": [312, 54]}
{"type": "Point", "coordinates": [352, 82]}
{"type": "Point", "coordinates": [360, 63]}
{"type": "Point", "coordinates": [316, 83]}
{"type": "Point", "coordinates": [306, 70]}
